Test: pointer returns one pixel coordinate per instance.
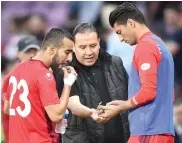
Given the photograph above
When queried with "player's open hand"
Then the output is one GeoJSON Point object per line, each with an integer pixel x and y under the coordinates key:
{"type": "Point", "coordinates": [109, 111]}
{"type": "Point", "coordinates": [114, 107]}
{"type": "Point", "coordinates": [95, 116]}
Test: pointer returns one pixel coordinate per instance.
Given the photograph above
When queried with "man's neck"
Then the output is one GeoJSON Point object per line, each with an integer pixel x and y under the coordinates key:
{"type": "Point", "coordinates": [141, 31]}
{"type": "Point", "coordinates": [41, 57]}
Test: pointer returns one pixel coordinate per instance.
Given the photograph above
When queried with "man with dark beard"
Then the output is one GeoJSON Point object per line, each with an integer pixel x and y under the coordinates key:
{"type": "Point", "coordinates": [32, 98]}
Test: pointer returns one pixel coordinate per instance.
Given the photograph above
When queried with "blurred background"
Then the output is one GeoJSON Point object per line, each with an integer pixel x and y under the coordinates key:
{"type": "Point", "coordinates": [36, 18]}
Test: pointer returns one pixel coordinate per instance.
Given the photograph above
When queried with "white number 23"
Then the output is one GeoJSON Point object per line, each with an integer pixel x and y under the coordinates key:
{"type": "Point", "coordinates": [23, 97]}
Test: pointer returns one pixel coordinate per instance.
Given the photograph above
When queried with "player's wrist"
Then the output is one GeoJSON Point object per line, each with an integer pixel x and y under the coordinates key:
{"type": "Point", "coordinates": [126, 105]}
{"type": "Point", "coordinates": [133, 102]}
{"type": "Point", "coordinates": [67, 86]}
{"type": "Point", "coordinates": [70, 79]}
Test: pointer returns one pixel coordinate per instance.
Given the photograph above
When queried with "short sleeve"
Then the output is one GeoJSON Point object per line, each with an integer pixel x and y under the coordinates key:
{"type": "Point", "coordinates": [75, 89]}
{"type": "Point", "coordinates": [47, 89]}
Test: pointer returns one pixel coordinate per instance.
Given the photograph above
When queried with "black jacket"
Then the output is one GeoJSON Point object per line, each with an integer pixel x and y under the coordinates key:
{"type": "Point", "coordinates": [86, 130]}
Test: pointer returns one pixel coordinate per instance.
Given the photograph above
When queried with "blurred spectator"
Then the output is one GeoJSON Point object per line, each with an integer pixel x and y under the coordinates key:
{"type": "Point", "coordinates": [4, 63]}
{"type": "Point", "coordinates": [12, 9]}
{"type": "Point", "coordinates": [174, 43]}
{"type": "Point", "coordinates": [36, 25]}
{"type": "Point", "coordinates": [171, 19]}
{"type": "Point", "coordinates": [178, 121]}
{"type": "Point", "coordinates": [155, 14]}
{"type": "Point", "coordinates": [27, 48]}
{"type": "Point", "coordinates": [56, 12]}
{"type": "Point", "coordinates": [16, 28]}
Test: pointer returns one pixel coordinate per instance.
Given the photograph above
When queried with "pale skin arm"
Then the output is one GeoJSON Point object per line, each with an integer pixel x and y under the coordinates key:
{"type": "Point", "coordinates": [80, 110]}
{"type": "Point", "coordinates": [77, 108]}
{"type": "Point", "coordinates": [56, 112]}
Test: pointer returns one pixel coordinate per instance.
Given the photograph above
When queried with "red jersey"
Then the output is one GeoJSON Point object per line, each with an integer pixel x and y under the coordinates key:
{"type": "Point", "coordinates": [148, 92]}
{"type": "Point", "coordinates": [147, 58]}
{"type": "Point", "coordinates": [5, 117]}
{"type": "Point", "coordinates": [31, 87]}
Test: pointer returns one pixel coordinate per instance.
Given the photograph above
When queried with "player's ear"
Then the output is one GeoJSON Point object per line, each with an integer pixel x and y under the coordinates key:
{"type": "Point", "coordinates": [131, 23]}
{"type": "Point", "coordinates": [52, 49]}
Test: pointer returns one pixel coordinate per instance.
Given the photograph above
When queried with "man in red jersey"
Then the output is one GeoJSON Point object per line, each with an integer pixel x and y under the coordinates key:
{"type": "Point", "coordinates": [151, 80]}
{"type": "Point", "coordinates": [27, 48]}
{"type": "Point", "coordinates": [32, 98]}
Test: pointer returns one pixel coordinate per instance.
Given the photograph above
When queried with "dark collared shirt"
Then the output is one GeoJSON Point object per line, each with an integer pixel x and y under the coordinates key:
{"type": "Point", "coordinates": [112, 129]}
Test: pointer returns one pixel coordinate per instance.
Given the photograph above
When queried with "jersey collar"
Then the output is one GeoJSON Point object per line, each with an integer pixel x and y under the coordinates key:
{"type": "Point", "coordinates": [145, 34]}
{"type": "Point", "coordinates": [39, 62]}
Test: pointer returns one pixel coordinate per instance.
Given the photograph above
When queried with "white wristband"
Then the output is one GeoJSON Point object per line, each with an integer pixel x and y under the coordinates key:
{"type": "Point", "coordinates": [70, 79]}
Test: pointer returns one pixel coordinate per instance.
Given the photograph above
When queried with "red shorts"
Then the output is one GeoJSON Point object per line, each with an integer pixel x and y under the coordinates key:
{"type": "Point", "coordinates": [151, 139]}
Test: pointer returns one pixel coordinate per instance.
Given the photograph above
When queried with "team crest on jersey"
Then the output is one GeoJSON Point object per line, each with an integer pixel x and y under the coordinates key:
{"type": "Point", "coordinates": [145, 66]}
{"type": "Point", "coordinates": [49, 76]}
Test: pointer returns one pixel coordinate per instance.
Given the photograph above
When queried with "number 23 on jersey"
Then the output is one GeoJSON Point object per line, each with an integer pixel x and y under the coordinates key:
{"type": "Point", "coordinates": [22, 97]}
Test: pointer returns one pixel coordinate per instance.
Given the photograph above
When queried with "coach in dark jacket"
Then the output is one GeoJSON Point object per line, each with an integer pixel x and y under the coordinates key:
{"type": "Point", "coordinates": [101, 78]}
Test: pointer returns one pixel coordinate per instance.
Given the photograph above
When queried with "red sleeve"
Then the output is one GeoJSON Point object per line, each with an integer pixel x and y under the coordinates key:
{"type": "Point", "coordinates": [5, 117]}
{"type": "Point", "coordinates": [4, 89]}
{"type": "Point", "coordinates": [146, 60]}
{"type": "Point", "coordinates": [47, 89]}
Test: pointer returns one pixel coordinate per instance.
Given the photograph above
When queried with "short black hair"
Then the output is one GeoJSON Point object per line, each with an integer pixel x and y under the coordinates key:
{"type": "Point", "coordinates": [85, 28]}
{"type": "Point", "coordinates": [55, 37]}
{"type": "Point", "coordinates": [124, 12]}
